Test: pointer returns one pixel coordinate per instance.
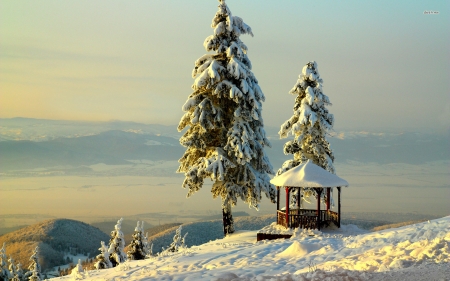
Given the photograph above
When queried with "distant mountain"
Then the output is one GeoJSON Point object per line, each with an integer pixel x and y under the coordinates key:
{"type": "Point", "coordinates": [110, 147]}
{"type": "Point", "coordinates": [54, 238]}
{"type": "Point", "coordinates": [381, 148]}
{"type": "Point", "coordinates": [43, 129]}
{"type": "Point", "coordinates": [34, 147]}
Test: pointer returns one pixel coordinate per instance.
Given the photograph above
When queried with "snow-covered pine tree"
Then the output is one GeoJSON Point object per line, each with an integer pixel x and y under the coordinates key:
{"type": "Point", "coordinates": [148, 247]}
{"type": "Point", "coordinates": [179, 242]}
{"type": "Point", "coordinates": [4, 272]}
{"type": "Point", "coordinates": [34, 272]}
{"type": "Point", "coordinates": [103, 258]}
{"type": "Point", "coordinates": [78, 271]}
{"type": "Point", "coordinates": [11, 268]}
{"type": "Point", "coordinates": [137, 246]}
{"type": "Point", "coordinates": [19, 272]}
{"type": "Point", "coordinates": [117, 245]}
{"type": "Point", "coordinates": [35, 275]}
{"type": "Point", "coordinates": [309, 124]}
{"type": "Point", "coordinates": [226, 138]}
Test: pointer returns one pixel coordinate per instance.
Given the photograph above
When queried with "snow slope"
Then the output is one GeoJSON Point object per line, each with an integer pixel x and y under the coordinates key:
{"type": "Point", "coordinates": [416, 252]}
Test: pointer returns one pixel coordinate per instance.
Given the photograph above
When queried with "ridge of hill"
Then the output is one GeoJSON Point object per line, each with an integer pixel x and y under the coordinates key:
{"type": "Point", "coordinates": [55, 238]}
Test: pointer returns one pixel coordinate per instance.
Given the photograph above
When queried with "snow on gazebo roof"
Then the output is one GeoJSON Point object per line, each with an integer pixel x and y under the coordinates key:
{"type": "Point", "coordinates": [308, 175]}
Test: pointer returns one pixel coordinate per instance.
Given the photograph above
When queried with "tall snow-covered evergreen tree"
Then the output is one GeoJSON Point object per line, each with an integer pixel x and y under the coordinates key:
{"type": "Point", "coordinates": [117, 245]}
{"type": "Point", "coordinates": [225, 140]}
{"type": "Point", "coordinates": [309, 125]}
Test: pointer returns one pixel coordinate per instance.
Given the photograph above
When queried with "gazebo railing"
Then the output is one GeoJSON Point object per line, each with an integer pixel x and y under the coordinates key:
{"type": "Point", "coordinates": [308, 219]}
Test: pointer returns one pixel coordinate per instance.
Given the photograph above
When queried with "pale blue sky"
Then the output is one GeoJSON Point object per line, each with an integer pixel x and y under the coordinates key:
{"type": "Point", "coordinates": [385, 64]}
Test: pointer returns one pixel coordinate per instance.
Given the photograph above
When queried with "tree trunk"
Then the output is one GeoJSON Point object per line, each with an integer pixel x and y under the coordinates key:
{"type": "Point", "coordinates": [228, 222]}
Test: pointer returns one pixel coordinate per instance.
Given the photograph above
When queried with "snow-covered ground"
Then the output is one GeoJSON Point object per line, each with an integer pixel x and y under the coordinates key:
{"type": "Point", "coordinates": [415, 252]}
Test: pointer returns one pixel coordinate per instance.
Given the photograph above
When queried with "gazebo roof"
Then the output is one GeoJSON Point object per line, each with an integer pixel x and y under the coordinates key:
{"type": "Point", "coordinates": [308, 175]}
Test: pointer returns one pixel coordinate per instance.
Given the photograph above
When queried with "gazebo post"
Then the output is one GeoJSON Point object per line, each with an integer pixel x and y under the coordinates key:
{"type": "Point", "coordinates": [298, 199]}
{"type": "Point", "coordinates": [328, 198]}
{"type": "Point", "coordinates": [278, 198]}
{"type": "Point", "coordinates": [319, 191]}
{"type": "Point", "coordinates": [287, 206]}
{"type": "Point", "coordinates": [339, 206]}
{"type": "Point", "coordinates": [301, 190]}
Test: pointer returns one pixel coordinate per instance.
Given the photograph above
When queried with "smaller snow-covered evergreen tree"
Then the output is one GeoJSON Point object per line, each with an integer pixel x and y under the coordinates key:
{"type": "Point", "coordinates": [178, 242]}
{"type": "Point", "coordinates": [19, 272]}
{"type": "Point", "coordinates": [12, 268]}
{"type": "Point", "coordinates": [78, 271]}
{"type": "Point", "coordinates": [35, 275]}
{"type": "Point", "coordinates": [147, 246]}
{"type": "Point", "coordinates": [103, 261]}
{"type": "Point", "coordinates": [35, 268]}
{"type": "Point", "coordinates": [4, 272]}
{"type": "Point", "coordinates": [117, 245]}
{"type": "Point", "coordinates": [309, 125]}
{"type": "Point", "coordinates": [138, 246]}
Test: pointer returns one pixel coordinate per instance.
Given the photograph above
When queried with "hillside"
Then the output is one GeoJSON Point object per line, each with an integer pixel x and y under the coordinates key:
{"type": "Point", "coordinates": [55, 238]}
{"type": "Point", "coordinates": [414, 252]}
{"type": "Point", "coordinates": [205, 231]}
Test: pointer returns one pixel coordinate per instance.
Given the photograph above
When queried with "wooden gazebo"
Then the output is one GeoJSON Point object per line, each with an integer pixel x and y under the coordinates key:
{"type": "Point", "coordinates": [308, 175]}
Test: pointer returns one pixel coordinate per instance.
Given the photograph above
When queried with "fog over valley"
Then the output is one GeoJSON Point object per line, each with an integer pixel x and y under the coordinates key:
{"type": "Point", "coordinates": [97, 171]}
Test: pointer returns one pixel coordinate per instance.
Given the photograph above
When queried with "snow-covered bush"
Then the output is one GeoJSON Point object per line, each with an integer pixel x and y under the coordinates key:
{"type": "Point", "coordinates": [225, 138]}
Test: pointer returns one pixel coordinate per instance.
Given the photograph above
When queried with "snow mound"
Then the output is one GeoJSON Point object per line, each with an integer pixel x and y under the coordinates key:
{"type": "Point", "coordinates": [298, 249]}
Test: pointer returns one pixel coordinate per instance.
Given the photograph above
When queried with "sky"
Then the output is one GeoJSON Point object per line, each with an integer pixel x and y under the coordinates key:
{"type": "Point", "coordinates": [385, 64]}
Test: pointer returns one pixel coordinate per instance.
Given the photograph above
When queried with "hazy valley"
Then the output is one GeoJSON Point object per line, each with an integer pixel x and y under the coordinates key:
{"type": "Point", "coordinates": [94, 172]}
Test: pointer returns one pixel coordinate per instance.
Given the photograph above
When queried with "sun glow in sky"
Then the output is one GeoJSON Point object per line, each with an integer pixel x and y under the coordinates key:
{"type": "Point", "coordinates": [385, 64]}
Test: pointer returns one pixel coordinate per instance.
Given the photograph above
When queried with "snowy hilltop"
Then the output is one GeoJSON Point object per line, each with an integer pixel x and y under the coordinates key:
{"type": "Point", "coordinates": [415, 252]}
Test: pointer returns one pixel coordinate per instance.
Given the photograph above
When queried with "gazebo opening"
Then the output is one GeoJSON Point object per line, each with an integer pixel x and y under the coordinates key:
{"type": "Point", "coordinates": [304, 215]}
